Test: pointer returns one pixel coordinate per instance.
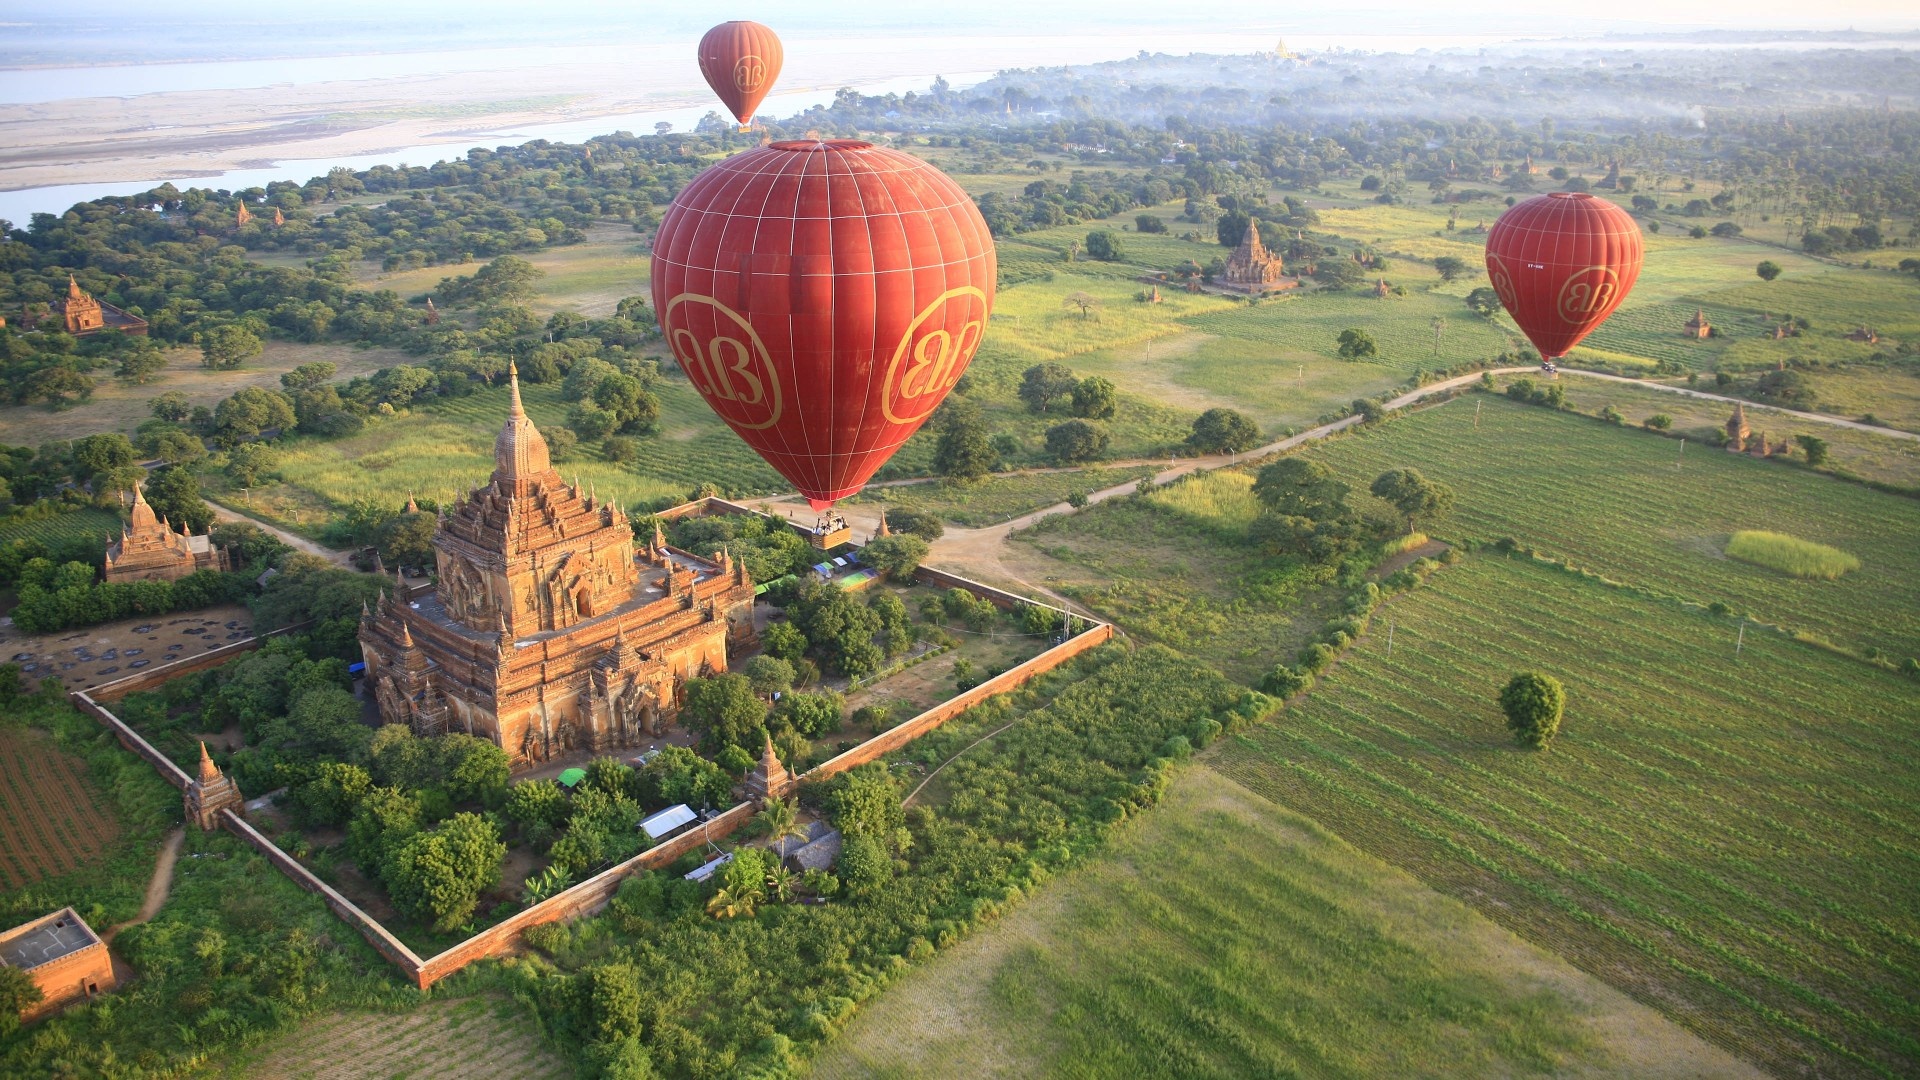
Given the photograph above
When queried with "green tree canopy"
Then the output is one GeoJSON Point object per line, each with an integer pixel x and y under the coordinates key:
{"type": "Point", "coordinates": [1533, 703]}
{"type": "Point", "coordinates": [1043, 386]}
{"type": "Point", "coordinates": [1413, 494]}
{"type": "Point", "coordinates": [1221, 431]}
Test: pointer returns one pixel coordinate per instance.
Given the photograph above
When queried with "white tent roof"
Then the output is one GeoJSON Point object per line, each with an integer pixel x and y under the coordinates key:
{"type": "Point", "coordinates": [666, 821]}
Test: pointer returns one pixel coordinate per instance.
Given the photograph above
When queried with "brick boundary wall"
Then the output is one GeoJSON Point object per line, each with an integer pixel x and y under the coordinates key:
{"type": "Point", "coordinates": [592, 894]}
{"type": "Point", "coordinates": [378, 936]}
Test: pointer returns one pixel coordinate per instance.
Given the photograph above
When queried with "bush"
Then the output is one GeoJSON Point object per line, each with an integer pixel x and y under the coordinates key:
{"type": "Point", "coordinates": [896, 556]}
{"type": "Point", "coordinates": [1657, 422]}
{"type": "Point", "coordinates": [1076, 441]}
{"type": "Point", "coordinates": [1285, 682]}
{"type": "Point", "coordinates": [1533, 703]}
{"type": "Point", "coordinates": [1222, 431]}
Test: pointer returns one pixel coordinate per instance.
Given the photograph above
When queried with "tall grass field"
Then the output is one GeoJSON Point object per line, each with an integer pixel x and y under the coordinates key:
{"type": "Point", "coordinates": [1790, 554]}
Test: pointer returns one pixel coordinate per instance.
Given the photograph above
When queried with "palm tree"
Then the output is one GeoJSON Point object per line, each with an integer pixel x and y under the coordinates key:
{"type": "Point", "coordinates": [781, 821]}
{"type": "Point", "coordinates": [781, 883]}
{"type": "Point", "coordinates": [725, 905]}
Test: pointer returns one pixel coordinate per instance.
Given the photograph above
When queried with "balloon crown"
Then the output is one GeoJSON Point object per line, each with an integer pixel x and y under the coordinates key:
{"type": "Point", "coordinates": [821, 144]}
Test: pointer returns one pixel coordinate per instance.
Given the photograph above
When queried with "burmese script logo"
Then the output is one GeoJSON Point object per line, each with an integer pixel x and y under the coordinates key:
{"type": "Point", "coordinates": [928, 362]}
{"type": "Point", "coordinates": [731, 368]}
{"type": "Point", "coordinates": [748, 73]}
{"type": "Point", "coordinates": [1588, 295]}
{"type": "Point", "coordinates": [1502, 282]}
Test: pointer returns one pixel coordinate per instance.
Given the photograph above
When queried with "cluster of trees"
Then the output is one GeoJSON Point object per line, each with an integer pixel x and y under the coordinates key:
{"type": "Point", "coordinates": [1305, 509]}
{"type": "Point", "coordinates": [71, 594]}
{"type": "Point", "coordinates": [1022, 808]}
{"type": "Point", "coordinates": [1048, 388]}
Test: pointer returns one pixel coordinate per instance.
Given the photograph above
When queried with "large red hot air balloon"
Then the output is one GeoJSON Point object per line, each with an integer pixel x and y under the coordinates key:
{"type": "Point", "coordinates": [741, 60]}
{"type": "Point", "coordinates": [823, 297]}
{"type": "Point", "coordinates": [1562, 262]}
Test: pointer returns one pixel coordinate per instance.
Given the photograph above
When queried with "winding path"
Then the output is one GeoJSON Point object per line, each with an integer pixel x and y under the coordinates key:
{"type": "Point", "coordinates": [157, 887]}
{"type": "Point", "coordinates": [292, 540]}
{"type": "Point", "coordinates": [977, 553]}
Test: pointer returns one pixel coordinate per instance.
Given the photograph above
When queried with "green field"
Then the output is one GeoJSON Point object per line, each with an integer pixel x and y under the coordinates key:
{"type": "Point", "coordinates": [1612, 501]}
{"type": "Point", "coordinates": [995, 499]}
{"type": "Point", "coordinates": [89, 522]}
{"type": "Point", "coordinates": [1725, 834]}
{"type": "Point", "coordinates": [1224, 936]}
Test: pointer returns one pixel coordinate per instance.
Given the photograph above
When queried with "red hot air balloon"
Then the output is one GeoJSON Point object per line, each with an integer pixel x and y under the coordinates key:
{"type": "Point", "coordinates": [1562, 262]}
{"type": "Point", "coordinates": [741, 60]}
{"type": "Point", "coordinates": [823, 297]}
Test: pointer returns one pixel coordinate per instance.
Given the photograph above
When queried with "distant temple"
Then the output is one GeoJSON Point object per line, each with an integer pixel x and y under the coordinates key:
{"type": "Point", "coordinates": [1865, 334]}
{"type": "Point", "coordinates": [81, 315]}
{"type": "Point", "coordinates": [1612, 179]}
{"type": "Point", "coordinates": [210, 792]}
{"type": "Point", "coordinates": [243, 215]}
{"type": "Point", "coordinates": [1252, 268]}
{"type": "Point", "coordinates": [149, 549]}
{"type": "Point", "coordinates": [770, 780]}
{"type": "Point", "coordinates": [1738, 432]}
{"type": "Point", "coordinates": [546, 633]}
{"type": "Point", "coordinates": [1698, 326]}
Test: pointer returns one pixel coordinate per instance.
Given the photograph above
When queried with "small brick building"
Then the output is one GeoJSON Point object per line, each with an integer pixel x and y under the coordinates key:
{"type": "Point", "coordinates": [65, 958]}
{"type": "Point", "coordinates": [149, 549]}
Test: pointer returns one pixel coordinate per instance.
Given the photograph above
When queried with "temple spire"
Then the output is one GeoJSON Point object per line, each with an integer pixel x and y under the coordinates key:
{"type": "Point", "coordinates": [142, 513]}
{"type": "Point", "coordinates": [209, 772]}
{"type": "Point", "coordinates": [519, 454]}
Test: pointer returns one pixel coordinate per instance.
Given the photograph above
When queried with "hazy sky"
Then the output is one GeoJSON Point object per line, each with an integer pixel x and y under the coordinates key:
{"type": "Point", "coordinates": [1375, 16]}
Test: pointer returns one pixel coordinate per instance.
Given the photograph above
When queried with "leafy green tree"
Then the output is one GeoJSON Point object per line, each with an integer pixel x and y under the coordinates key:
{"type": "Point", "coordinates": [1305, 509]}
{"type": "Point", "coordinates": [1094, 398]}
{"type": "Point", "coordinates": [171, 406]}
{"type": "Point", "coordinates": [1231, 228]}
{"type": "Point", "coordinates": [924, 524]}
{"type": "Point", "coordinates": [60, 386]}
{"type": "Point", "coordinates": [174, 491]}
{"type": "Point", "coordinates": [895, 623]}
{"type": "Point", "coordinates": [1767, 269]}
{"type": "Point", "coordinates": [678, 775]}
{"type": "Point", "coordinates": [141, 363]}
{"type": "Point", "coordinates": [1815, 448]}
{"type": "Point", "coordinates": [590, 421]}
{"type": "Point", "coordinates": [611, 1000]}
{"type": "Point", "coordinates": [1451, 267]}
{"type": "Point", "coordinates": [532, 802]}
{"type": "Point", "coordinates": [385, 818]}
{"type": "Point", "coordinates": [784, 640]}
{"type": "Point", "coordinates": [1356, 344]}
{"type": "Point", "coordinates": [896, 556]}
{"type": "Point", "coordinates": [1076, 441]}
{"type": "Point", "coordinates": [865, 801]}
{"type": "Point", "coordinates": [250, 463]}
{"type": "Point", "coordinates": [227, 346]}
{"type": "Point", "coordinates": [844, 632]}
{"type": "Point", "coordinates": [18, 993]}
{"type": "Point", "coordinates": [723, 711]}
{"type": "Point", "coordinates": [1533, 703]}
{"type": "Point", "coordinates": [1221, 431]}
{"type": "Point", "coordinates": [1484, 301]}
{"type": "Point", "coordinates": [812, 715]}
{"type": "Point", "coordinates": [635, 410]}
{"type": "Point", "coordinates": [619, 449]}
{"type": "Point", "coordinates": [331, 793]}
{"type": "Point", "coordinates": [1044, 385]}
{"type": "Point", "coordinates": [1105, 245]}
{"type": "Point", "coordinates": [438, 876]}
{"type": "Point", "coordinates": [249, 413]}
{"type": "Point", "coordinates": [779, 820]}
{"type": "Point", "coordinates": [769, 675]}
{"type": "Point", "coordinates": [1146, 223]}
{"type": "Point", "coordinates": [97, 454]}
{"type": "Point", "coordinates": [1413, 494]}
{"type": "Point", "coordinates": [407, 539]}
{"type": "Point", "coordinates": [472, 769]}
{"type": "Point", "coordinates": [307, 376]}
{"type": "Point", "coordinates": [964, 452]}
{"type": "Point", "coordinates": [865, 868]}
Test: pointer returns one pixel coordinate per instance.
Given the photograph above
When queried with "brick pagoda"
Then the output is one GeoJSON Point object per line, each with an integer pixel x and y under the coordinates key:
{"type": "Point", "coordinates": [546, 633]}
{"type": "Point", "coordinates": [1254, 269]}
{"type": "Point", "coordinates": [149, 549]}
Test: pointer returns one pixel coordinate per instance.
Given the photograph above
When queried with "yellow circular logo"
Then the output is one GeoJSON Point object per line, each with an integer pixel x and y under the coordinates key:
{"type": "Point", "coordinates": [731, 368]}
{"type": "Point", "coordinates": [1588, 294]}
{"type": "Point", "coordinates": [748, 73]}
{"type": "Point", "coordinates": [931, 355]}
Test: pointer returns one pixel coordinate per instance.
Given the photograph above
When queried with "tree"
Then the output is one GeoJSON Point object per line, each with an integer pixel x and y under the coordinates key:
{"type": "Point", "coordinates": [784, 640]}
{"type": "Point", "coordinates": [1076, 441]}
{"type": "Point", "coordinates": [142, 362]}
{"type": "Point", "coordinates": [1484, 301]}
{"type": "Point", "coordinates": [1356, 344]}
{"type": "Point", "coordinates": [18, 993]}
{"type": "Point", "coordinates": [538, 801]}
{"type": "Point", "coordinates": [1232, 228]}
{"type": "Point", "coordinates": [1413, 494]}
{"type": "Point", "coordinates": [1105, 245]}
{"type": "Point", "coordinates": [590, 421]}
{"type": "Point", "coordinates": [1767, 269]}
{"type": "Point", "coordinates": [1145, 223]}
{"type": "Point", "coordinates": [1094, 398]}
{"type": "Point", "coordinates": [1086, 303]}
{"type": "Point", "coordinates": [407, 539]}
{"type": "Point", "coordinates": [308, 376]}
{"type": "Point", "coordinates": [1042, 385]}
{"type": "Point", "coordinates": [174, 492]}
{"type": "Point", "coordinates": [769, 675]}
{"type": "Point", "coordinates": [634, 408]}
{"type": "Point", "coordinates": [963, 451]}
{"type": "Point", "coordinates": [1221, 431]}
{"type": "Point", "coordinates": [59, 386]}
{"type": "Point", "coordinates": [896, 556]}
{"type": "Point", "coordinates": [250, 463]}
{"type": "Point", "coordinates": [810, 715]}
{"type": "Point", "coordinates": [1451, 267]}
{"type": "Point", "coordinates": [97, 454]}
{"type": "Point", "coordinates": [1726, 230]}
{"type": "Point", "coordinates": [1305, 509]}
{"type": "Point", "coordinates": [619, 449]}
{"type": "Point", "coordinates": [249, 413]}
{"type": "Point", "coordinates": [1815, 447]}
{"type": "Point", "coordinates": [171, 406]}
{"type": "Point", "coordinates": [227, 346]}
{"type": "Point", "coordinates": [723, 711]}
{"type": "Point", "coordinates": [924, 524]}
{"type": "Point", "coordinates": [1533, 703]}
{"type": "Point", "coordinates": [438, 876]}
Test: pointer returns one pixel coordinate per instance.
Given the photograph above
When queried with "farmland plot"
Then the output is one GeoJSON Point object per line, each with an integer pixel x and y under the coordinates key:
{"type": "Point", "coordinates": [1613, 501]}
{"type": "Point", "coordinates": [51, 816]}
{"type": "Point", "coordinates": [480, 1037]}
{"type": "Point", "coordinates": [1729, 836]}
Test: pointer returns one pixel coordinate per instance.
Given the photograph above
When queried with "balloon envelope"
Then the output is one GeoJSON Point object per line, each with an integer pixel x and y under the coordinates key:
{"type": "Point", "coordinates": [823, 297]}
{"type": "Point", "coordinates": [740, 60]}
{"type": "Point", "coordinates": [1562, 262]}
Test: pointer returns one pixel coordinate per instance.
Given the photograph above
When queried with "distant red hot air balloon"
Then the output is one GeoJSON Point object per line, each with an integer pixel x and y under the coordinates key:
{"type": "Point", "coordinates": [1562, 262]}
{"type": "Point", "coordinates": [823, 297]}
{"type": "Point", "coordinates": [741, 60]}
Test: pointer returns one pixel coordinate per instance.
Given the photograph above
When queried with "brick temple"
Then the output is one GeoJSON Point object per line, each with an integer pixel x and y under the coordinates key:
{"type": "Point", "coordinates": [547, 632]}
{"type": "Point", "coordinates": [150, 550]}
{"type": "Point", "coordinates": [1252, 268]}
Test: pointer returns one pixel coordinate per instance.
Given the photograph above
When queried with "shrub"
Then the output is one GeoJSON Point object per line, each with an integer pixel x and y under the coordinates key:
{"type": "Point", "coordinates": [1533, 703]}
{"type": "Point", "coordinates": [1220, 431]}
{"type": "Point", "coordinates": [1316, 657]}
{"type": "Point", "coordinates": [1076, 441]}
{"type": "Point", "coordinates": [1790, 554]}
{"type": "Point", "coordinates": [1285, 682]}
{"type": "Point", "coordinates": [1657, 422]}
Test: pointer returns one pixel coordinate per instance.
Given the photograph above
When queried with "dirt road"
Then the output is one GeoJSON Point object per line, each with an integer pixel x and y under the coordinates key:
{"type": "Point", "coordinates": [292, 540]}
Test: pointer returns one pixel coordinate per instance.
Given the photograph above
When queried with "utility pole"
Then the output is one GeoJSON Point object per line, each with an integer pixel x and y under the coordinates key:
{"type": "Point", "coordinates": [1741, 641]}
{"type": "Point", "coordinates": [1476, 414]}
{"type": "Point", "coordinates": [1389, 639]}
{"type": "Point", "coordinates": [1683, 453]}
{"type": "Point", "coordinates": [1302, 377]}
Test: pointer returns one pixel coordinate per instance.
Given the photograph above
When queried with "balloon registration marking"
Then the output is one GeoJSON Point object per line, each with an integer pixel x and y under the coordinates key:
{"type": "Point", "coordinates": [734, 373]}
{"type": "Point", "coordinates": [925, 366]}
{"type": "Point", "coordinates": [748, 73]}
{"type": "Point", "coordinates": [1590, 291]}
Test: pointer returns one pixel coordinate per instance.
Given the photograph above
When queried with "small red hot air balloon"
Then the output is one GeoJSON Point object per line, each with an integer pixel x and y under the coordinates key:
{"type": "Point", "coordinates": [823, 297]}
{"type": "Point", "coordinates": [1562, 262]}
{"type": "Point", "coordinates": [741, 60]}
